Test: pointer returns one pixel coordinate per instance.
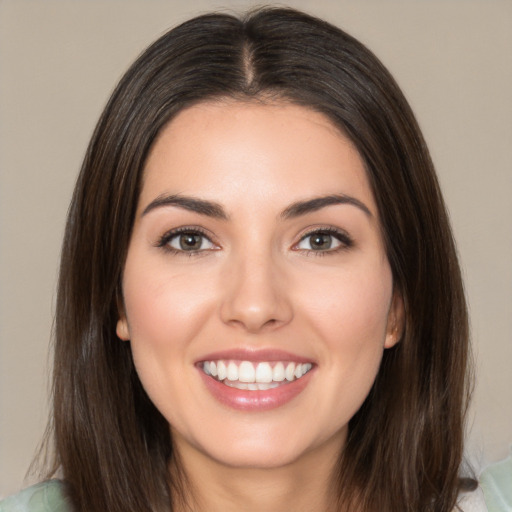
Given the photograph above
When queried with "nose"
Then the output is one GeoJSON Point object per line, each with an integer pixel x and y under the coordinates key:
{"type": "Point", "coordinates": [255, 295]}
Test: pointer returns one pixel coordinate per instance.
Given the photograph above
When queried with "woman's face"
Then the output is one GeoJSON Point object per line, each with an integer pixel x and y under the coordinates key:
{"type": "Point", "coordinates": [258, 299]}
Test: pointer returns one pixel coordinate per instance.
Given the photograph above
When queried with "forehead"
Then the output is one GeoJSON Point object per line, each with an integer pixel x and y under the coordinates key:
{"type": "Point", "coordinates": [256, 150]}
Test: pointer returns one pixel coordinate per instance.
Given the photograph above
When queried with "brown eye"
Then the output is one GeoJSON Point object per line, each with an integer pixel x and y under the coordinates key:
{"type": "Point", "coordinates": [324, 241]}
{"type": "Point", "coordinates": [320, 241]}
{"type": "Point", "coordinates": [190, 241]}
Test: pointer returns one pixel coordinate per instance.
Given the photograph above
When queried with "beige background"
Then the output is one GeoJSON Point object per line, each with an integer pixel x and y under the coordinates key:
{"type": "Point", "coordinates": [59, 60]}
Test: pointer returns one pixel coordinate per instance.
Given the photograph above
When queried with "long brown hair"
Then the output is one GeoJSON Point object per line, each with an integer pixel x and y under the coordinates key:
{"type": "Point", "coordinates": [405, 444]}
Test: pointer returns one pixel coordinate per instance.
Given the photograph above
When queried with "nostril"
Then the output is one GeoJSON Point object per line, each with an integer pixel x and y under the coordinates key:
{"type": "Point", "coordinates": [254, 300]}
{"type": "Point", "coordinates": [254, 324]}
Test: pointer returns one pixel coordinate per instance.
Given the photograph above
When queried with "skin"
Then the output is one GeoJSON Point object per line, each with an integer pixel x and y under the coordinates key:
{"type": "Point", "coordinates": [257, 282]}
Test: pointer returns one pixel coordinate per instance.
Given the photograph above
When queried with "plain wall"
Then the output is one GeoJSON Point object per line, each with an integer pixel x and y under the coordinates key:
{"type": "Point", "coordinates": [59, 60]}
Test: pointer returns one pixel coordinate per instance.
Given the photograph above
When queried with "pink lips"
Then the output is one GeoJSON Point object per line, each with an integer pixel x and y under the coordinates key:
{"type": "Point", "coordinates": [255, 355]}
{"type": "Point", "coordinates": [260, 400]}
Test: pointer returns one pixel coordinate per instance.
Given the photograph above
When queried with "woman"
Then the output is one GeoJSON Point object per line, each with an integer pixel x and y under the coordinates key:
{"type": "Point", "coordinates": [260, 305]}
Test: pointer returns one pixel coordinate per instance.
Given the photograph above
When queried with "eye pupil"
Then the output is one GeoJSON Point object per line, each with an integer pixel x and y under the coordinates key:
{"type": "Point", "coordinates": [321, 241]}
{"type": "Point", "coordinates": [190, 241]}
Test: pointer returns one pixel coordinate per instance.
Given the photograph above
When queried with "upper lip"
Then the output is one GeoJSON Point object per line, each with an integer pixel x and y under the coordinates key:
{"type": "Point", "coordinates": [255, 355]}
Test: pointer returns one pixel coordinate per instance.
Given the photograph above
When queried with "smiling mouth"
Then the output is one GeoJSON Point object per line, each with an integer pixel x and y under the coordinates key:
{"type": "Point", "coordinates": [252, 376]}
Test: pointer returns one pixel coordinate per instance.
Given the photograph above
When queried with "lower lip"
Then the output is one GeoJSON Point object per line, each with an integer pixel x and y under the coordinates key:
{"type": "Point", "coordinates": [261, 400]}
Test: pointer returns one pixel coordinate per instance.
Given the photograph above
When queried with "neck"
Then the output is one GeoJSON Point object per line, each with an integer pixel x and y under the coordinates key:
{"type": "Point", "coordinates": [303, 485]}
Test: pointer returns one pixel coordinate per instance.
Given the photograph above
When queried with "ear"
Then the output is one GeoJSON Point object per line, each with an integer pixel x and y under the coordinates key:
{"type": "Point", "coordinates": [396, 321]}
{"type": "Point", "coordinates": [122, 330]}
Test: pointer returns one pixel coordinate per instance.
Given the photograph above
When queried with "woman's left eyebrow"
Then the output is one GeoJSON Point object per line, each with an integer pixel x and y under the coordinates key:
{"type": "Point", "coordinates": [312, 205]}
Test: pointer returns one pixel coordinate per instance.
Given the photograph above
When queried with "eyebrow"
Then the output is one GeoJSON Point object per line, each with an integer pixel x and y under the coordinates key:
{"type": "Point", "coordinates": [312, 205]}
{"type": "Point", "coordinates": [201, 206]}
{"type": "Point", "coordinates": [215, 210]}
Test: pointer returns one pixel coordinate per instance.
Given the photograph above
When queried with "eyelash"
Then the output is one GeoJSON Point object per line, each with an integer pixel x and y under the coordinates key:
{"type": "Point", "coordinates": [345, 240]}
{"type": "Point", "coordinates": [166, 238]}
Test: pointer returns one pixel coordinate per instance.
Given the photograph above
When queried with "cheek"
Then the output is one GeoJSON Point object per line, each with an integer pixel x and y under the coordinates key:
{"type": "Point", "coordinates": [349, 315]}
{"type": "Point", "coordinates": [353, 305]}
{"type": "Point", "coordinates": [165, 312]}
{"type": "Point", "coordinates": [163, 307]}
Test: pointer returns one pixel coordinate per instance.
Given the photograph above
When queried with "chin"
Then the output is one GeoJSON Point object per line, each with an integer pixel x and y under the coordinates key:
{"type": "Point", "coordinates": [258, 458]}
{"type": "Point", "coordinates": [263, 449]}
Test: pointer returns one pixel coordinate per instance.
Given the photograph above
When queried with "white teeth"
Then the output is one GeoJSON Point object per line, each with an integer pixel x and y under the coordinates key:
{"type": "Point", "coordinates": [263, 386]}
{"type": "Point", "coordinates": [277, 373]}
{"type": "Point", "coordinates": [290, 371]}
{"type": "Point", "coordinates": [246, 372]}
{"type": "Point", "coordinates": [252, 386]}
{"type": "Point", "coordinates": [252, 376]}
{"type": "Point", "coordinates": [237, 384]}
{"type": "Point", "coordinates": [221, 371]}
{"type": "Point", "coordinates": [264, 373]}
{"type": "Point", "coordinates": [232, 371]}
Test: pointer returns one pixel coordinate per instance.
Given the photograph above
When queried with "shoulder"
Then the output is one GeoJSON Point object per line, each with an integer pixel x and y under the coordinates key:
{"type": "Point", "coordinates": [43, 497]}
{"type": "Point", "coordinates": [472, 501]}
{"type": "Point", "coordinates": [496, 482]}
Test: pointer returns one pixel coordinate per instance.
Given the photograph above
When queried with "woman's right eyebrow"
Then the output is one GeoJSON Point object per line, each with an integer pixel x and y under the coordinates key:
{"type": "Point", "coordinates": [193, 204]}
